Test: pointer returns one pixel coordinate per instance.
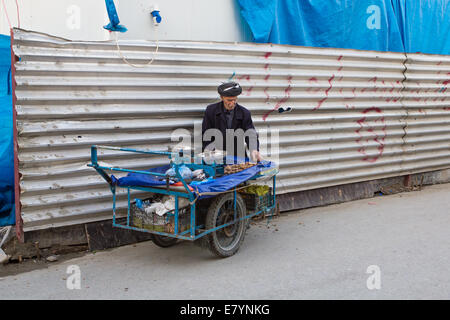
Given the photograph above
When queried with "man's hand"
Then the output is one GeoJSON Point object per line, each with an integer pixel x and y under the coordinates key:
{"type": "Point", "coordinates": [256, 156]}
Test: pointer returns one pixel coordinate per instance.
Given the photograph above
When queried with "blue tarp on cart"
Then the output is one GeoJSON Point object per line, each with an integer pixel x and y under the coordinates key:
{"type": "Point", "coordinates": [7, 212]}
{"type": "Point", "coordinates": [230, 181]}
{"type": "Point", "coordinates": [141, 180]}
{"type": "Point", "coordinates": [220, 184]}
{"type": "Point", "coordinates": [382, 25]}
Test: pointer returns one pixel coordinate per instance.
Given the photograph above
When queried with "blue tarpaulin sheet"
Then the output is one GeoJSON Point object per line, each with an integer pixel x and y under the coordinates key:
{"type": "Point", "coordinates": [142, 180]}
{"type": "Point", "coordinates": [425, 25]}
{"type": "Point", "coordinates": [230, 181]}
{"type": "Point", "coordinates": [7, 211]}
{"type": "Point", "coordinates": [382, 25]}
{"type": "Point", "coordinates": [220, 184]}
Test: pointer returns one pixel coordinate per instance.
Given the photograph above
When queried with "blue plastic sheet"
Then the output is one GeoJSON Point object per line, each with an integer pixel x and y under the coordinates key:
{"type": "Point", "coordinates": [114, 22]}
{"type": "Point", "coordinates": [382, 25]}
{"type": "Point", "coordinates": [425, 25]}
{"type": "Point", "coordinates": [7, 212]}
{"type": "Point", "coordinates": [220, 184]}
{"type": "Point", "coordinates": [141, 180]}
{"type": "Point", "coordinates": [230, 181]}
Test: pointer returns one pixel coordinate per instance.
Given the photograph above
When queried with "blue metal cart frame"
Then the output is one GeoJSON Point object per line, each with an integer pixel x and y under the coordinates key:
{"type": "Point", "coordinates": [194, 232]}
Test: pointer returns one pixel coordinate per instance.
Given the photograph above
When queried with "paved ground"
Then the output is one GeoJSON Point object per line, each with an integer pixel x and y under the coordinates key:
{"type": "Point", "coordinates": [319, 253]}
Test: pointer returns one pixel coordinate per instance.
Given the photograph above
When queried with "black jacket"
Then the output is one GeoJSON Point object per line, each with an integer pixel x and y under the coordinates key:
{"type": "Point", "coordinates": [215, 118]}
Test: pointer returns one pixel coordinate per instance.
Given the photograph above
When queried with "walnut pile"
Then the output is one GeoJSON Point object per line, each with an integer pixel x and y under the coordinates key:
{"type": "Point", "coordinates": [234, 168]}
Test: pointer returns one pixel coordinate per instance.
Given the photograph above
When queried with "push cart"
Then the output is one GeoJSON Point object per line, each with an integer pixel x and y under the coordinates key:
{"type": "Point", "coordinates": [215, 213]}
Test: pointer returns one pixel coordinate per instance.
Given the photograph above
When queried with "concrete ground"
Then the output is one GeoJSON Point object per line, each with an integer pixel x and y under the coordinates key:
{"type": "Point", "coordinates": [398, 245]}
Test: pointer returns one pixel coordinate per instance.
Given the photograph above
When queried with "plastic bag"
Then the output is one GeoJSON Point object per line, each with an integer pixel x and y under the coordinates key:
{"type": "Point", "coordinates": [185, 172]}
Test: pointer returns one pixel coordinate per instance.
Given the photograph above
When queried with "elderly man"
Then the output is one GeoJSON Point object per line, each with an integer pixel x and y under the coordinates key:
{"type": "Point", "coordinates": [227, 117]}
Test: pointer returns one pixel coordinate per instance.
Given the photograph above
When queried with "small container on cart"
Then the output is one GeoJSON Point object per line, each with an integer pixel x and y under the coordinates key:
{"type": "Point", "coordinates": [215, 211]}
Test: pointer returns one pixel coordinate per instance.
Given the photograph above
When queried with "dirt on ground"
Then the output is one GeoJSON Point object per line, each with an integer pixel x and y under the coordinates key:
{"type": "Point", "coordinates": [29, 264]}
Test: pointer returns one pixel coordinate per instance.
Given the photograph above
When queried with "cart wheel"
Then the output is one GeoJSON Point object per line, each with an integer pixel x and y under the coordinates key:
{"type": "Point", "coordinates": [164, 242]}
{"type": "Point", "coordinates": [225, 242]}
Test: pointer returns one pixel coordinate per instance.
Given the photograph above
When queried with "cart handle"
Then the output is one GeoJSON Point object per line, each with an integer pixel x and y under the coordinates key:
{"type": "Point", "coordinates": [161, 153]}
{"type": "Point", "coordinates": [94, 160]}
{"type": "Point", "coordinates": [100, 169]}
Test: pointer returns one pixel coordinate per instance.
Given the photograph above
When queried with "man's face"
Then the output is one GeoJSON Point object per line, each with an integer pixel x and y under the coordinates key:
{"type": "Point", "coordinates": [229, 102]}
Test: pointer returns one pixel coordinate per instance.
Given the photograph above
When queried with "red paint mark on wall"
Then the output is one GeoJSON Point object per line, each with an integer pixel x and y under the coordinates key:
{"type": "Point", "coordinates": [245, 76]}
{"type": "Point", "coordinates": [367, 126]}
{"type": "Point", "coordinates": [340, 58]}
{"type": "Point", "coordinates": [374, 80]}
{"type": "Point", "coordinates": [319, 104]}
{"type": "Point", "coordinates": [287, 92]}
{"type": "Point", "coordinates": [267, 95]}
{"type": "Point", "coordinates": [330, 83]}
{"type": "Point", "coordinates": [314, 79]}
{"type": "Point", "coordinates": [287, 95]}
{"type": "Point", "coordinates": [446, 82]}
{"type": "Point", "coordinates": [267, 77]}
{"type": "Point", "coordinates": [279, 103]}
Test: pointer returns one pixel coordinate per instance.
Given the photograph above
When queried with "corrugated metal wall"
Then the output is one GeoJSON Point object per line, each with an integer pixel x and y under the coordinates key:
{"type": "Point", "coordinates": [355, 116]}
{"type": "Point", "coordinates": [427, 139]}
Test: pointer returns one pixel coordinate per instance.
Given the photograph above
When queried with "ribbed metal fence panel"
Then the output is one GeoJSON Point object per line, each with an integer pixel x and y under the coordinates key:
{"type": "Point", "coordinates": [348, 121]}
{"type": "Point", "coordinates": [427, 139]}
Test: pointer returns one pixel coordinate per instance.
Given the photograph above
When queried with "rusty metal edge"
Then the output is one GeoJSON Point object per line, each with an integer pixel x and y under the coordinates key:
{"type": "Point", "coordinates": [19, 221]}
